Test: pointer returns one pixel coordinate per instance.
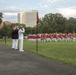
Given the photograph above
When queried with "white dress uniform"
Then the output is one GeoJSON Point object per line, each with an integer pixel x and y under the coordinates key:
{"type": "Point", "coordinates": [21, 37]}
{"type": "Point", "coordinates": [14, 43]}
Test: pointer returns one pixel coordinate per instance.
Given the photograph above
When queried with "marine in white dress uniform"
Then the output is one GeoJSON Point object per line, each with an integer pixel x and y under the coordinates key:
{"type": "Point", "coordinates": [21, 37]}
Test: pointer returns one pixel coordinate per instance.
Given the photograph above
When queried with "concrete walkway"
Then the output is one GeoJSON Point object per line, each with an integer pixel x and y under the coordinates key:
{"type": "Point", "coordinates": [13, 62]}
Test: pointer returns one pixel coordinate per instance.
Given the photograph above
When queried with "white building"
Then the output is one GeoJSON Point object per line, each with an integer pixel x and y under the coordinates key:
{"type": "Point", "coordinates": [28, 18]}
{"type": "Point", "coordinates": [21, 17]}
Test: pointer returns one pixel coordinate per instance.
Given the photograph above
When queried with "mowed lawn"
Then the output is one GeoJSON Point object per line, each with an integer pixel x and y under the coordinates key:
{"type": "Point", "coordinates": [64, 52]}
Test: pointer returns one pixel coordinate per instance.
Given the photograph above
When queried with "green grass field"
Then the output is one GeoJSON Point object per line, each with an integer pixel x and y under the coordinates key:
{"type": "Point", "coordinates": [64, 52]}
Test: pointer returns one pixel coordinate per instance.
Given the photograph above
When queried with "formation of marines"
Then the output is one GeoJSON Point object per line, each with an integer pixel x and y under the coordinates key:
{"type": "Point", "coordinates": [53, 37]}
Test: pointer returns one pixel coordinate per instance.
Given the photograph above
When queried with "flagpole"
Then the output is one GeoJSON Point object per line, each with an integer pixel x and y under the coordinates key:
{"type": "Point", "coordinates": [36, 38]}
{"type": "Point", "coordinates": [37, 32]}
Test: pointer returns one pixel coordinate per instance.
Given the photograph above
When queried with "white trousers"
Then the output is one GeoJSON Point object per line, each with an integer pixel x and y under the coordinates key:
{"type": "Point", "coordinates": [15, 43]}
{"type": "Point", "coordinates": [20, 44]}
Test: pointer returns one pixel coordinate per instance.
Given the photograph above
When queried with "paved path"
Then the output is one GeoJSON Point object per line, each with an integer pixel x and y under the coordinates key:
{"type": "Point", "coordinates": [13, 62]}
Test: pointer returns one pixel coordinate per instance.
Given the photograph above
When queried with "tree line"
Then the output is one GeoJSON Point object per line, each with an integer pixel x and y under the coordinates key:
{"type": "Point", "coordinates": [54, 23]}
{"type": "Point", "coordinates": [50, 23]}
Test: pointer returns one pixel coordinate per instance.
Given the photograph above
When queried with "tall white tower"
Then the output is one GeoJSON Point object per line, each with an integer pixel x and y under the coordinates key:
{"type": "Point", "coordinates": [28, 18]}
{"type": "Point", "coordinates": [21, 17]}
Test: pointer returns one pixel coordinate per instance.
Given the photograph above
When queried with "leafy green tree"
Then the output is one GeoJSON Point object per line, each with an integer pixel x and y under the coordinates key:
{"type": "Point", "coordinates": [28, 30]}
{"type": "Point", "coordinates": [46, 29]}
{"type": "Point", "coordinates": [60, 22]}
{"type": "Point", "coordinates": [6, 31]}
{"type": "Point", "coordinates": [55, 22]}
{"type": "Point", "coordinates": [1, 17]}
{"type": "Point", "coordinates": [70, 25]}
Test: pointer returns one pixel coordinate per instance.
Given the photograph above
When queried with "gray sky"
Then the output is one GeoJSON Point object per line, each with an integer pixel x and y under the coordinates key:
{"type": "Point", "coordinates": [10, 8]}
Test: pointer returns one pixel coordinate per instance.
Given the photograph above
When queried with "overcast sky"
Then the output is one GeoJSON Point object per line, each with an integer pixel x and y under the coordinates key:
{"type": "Point", "coordinates": [10, 8]}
